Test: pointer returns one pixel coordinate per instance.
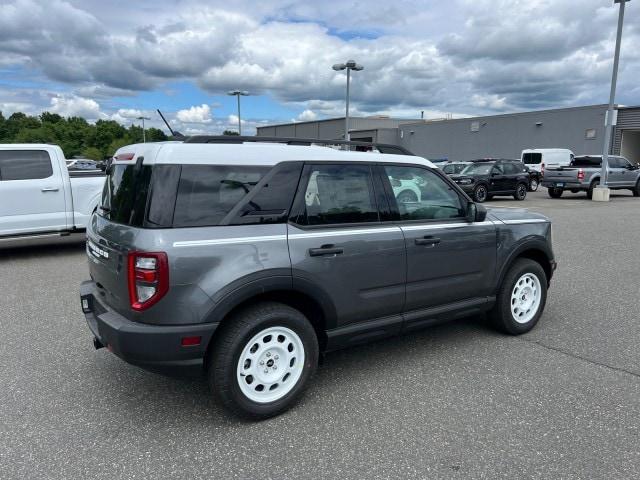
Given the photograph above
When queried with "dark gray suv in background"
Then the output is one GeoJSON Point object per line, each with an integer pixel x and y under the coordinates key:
{"type": "Point", "coordinates": [248, 260]}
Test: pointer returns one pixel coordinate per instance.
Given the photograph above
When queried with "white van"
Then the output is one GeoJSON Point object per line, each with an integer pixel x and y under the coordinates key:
{"type": "Point", "coordinates": [537, 158]}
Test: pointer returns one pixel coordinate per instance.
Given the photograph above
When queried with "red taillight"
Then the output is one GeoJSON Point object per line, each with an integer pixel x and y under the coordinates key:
{"type": "Point", "coordinates": [580, 174]}
{"type": "Point", "coordinates": [148, 278]}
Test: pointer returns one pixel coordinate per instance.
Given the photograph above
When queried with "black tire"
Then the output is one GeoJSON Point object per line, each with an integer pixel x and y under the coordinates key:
{"type": "Point", "coordinates": [501, 315]}
{"type": "Point", "coordinates": [480, 193]}
{"type": "Point", "coordinates": [407, 196]}
{"type": "Point", "coordinates": [533, 184]}
{"type": "Point", "coordinates": [555, 192]}
{"type": "Point", "coordinates": [593, 185]}
{"type": "Point", "coordinates": [229, 344]}
{"type": "Point", "coordinates": [636, 190]}
{"type": "Point", "coordinates": [521, 192]}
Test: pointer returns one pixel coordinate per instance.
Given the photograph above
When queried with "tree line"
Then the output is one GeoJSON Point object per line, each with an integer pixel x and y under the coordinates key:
{"type": "Point", "coordinates": [76, 136]}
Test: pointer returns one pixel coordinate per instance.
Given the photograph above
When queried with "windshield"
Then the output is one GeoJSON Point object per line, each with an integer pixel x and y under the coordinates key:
{"type": "Point", "coordinates": [478, 169]}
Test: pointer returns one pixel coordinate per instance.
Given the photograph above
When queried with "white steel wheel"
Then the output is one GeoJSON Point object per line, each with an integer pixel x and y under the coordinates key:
{"type": "Point", "coordinates": [525, 298]}
{"type": "Point", "coordinates": [270, 364]}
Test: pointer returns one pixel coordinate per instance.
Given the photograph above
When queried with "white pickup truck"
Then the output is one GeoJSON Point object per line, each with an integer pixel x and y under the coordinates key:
{"type": "Point", "coordinates": [38, 194]}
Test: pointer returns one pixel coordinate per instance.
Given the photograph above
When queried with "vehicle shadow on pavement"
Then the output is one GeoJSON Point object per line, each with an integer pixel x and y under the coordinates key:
{"type": "Point", "coordinates": [146, 398]}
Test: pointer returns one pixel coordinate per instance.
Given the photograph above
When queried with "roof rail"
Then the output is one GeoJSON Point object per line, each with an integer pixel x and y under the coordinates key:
{"type": "Point", "coordinates": [381, 147]}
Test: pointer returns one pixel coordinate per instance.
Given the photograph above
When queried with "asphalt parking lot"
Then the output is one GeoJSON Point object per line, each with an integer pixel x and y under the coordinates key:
{"type": "Point", "coordinates": [454, 401]}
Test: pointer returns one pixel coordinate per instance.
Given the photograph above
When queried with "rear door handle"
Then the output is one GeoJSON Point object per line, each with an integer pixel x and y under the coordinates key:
{"type": "Point", "coordinates": [326, 250]}
{"type": "Point", "coordinates": [50, 189]}
{"type": "Point", "coordinates": [427, 240]}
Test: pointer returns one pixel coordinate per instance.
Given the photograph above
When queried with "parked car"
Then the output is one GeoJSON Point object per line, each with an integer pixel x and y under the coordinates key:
{"type": "Point", "coordinates": [82, 164]}
{"type": "Point", "coordinates": [583, 175]}
{"type": "Point", "coordinates": [215, 256]}
{"type": "Point", "coordinates": [453, 168]}
{"type": "Point", "coordinates": [539, 158]}
{"type": "Point", "coordinates": [485, 178]}
{"type": "Point", "coordinates": [38, 194]}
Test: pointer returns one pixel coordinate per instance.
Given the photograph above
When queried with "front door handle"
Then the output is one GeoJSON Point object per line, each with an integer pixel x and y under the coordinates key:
{"type": "Point", "coordinates": [326, 250]}
{"type": "Point", "coordinates": [49, 189]}
{"type": "Point", "coordinates": [427, 240]}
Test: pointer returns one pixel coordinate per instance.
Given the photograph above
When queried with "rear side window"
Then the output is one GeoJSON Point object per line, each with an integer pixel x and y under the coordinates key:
{"type": "Point", "coordinates": [532, 158]}
{"type": "Point", "coordinates": [24, 164]}
{"type": "Point", "coordinates": [207, 193]}
{"type": "Point", "coordinates": [336, 194]}
{"type": "Point", "coordinates": [511, 168]}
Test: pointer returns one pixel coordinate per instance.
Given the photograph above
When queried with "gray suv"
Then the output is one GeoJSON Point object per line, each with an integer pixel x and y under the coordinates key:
{"type": "Point", "coordinates": [249, 260]}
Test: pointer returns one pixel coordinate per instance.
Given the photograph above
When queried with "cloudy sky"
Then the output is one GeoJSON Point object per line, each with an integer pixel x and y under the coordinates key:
{"type": "Point", "coordinates": [122, 58]}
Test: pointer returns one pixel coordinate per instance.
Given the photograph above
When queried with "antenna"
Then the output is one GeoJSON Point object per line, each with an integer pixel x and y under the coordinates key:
{"type": "Point", "coordinates": [173, 134]}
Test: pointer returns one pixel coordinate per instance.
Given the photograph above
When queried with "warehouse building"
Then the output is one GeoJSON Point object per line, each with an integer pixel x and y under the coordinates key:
{"type": "Point", "coordinates": [580, 129]}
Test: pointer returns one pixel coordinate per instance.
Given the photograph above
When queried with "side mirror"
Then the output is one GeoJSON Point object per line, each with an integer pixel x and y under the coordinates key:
{"type": "Point", "coordinates": [494, 174]}
{"type": "Point", "coordinates": [476, 212]}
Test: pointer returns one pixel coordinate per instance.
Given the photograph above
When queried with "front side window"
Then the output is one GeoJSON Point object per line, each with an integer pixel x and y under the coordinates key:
{"type": "Point", "coordinates": [337, 194]}
{"type": "Point", "coordinates": [422, 195]}
{"type": "Point", "coordinates": [24, 164]}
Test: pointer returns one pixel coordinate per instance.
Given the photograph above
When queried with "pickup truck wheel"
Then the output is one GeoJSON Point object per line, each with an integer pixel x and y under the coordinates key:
{"type": "Point", "coordinates": [636, 190]}
{"type": "Point", "coordinates": [593, 185]}
{"type": "Point", "coordinates": [521, 192]}
{"type": "Point", "coordinates": [262, 360]}
{"type": "Point", "coordinates": [480, 193]}
{"type": "Point", "coordinates": [555, 192]}
{"type": "Point", "coordinates": [521, 298]}
{"type": "Point", "coordinates": [533, 184]}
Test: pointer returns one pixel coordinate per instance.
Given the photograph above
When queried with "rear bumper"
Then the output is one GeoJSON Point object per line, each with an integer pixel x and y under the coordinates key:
{"type": "Point", "coordinates": [566, 185]}
{"type": "Point", "coordinates": [154, 347]}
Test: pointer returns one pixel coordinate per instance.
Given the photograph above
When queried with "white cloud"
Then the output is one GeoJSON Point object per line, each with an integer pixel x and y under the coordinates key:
{"type": "Point", "coordinates": [72, 106]}
{"type": "Point", "coordinates": [307, 116]}
{"type": "Point", "coordinates": [195, 114]}
{"type": "Point", "coordinates": [467, 56]}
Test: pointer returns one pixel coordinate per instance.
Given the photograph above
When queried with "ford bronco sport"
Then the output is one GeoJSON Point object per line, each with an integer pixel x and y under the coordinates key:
{"type": "Point", "coordinates": [248, 260]}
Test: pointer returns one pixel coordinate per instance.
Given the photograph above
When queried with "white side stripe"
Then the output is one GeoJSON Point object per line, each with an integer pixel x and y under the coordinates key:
{"type": "Point", "coordinates": [339, 233]}
{"type": "Point", "coordinates": [229, 241]}
{"type": "Point", "coordinates": [530, 220]}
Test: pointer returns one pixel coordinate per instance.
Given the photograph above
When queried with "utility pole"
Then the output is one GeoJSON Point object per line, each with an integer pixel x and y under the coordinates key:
{"type": "Point", "coordinates": [144, 135]}
{"type": "Point", "coordinates": [601, 194]}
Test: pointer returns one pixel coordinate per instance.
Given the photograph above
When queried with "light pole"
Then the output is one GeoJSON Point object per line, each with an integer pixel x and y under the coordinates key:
{"type": "Point", "coordinates": [350, 65]}
{"type": "Point", "coordinates": [144, 135]}
{"type": "Point", "coordinates": [237, 94]}
{"type": "Point", "coordinates": [603, 194]}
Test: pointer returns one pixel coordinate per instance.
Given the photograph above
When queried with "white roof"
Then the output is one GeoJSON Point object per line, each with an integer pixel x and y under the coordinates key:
{"type": "Point", "coordinates": [251, 153]}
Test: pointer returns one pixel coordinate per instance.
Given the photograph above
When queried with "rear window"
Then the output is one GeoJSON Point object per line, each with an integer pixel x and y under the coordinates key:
{"type": "Point", "coordinates": [124, 196]}
{"type": "Point", "coordinates": [24, 164]}
{"type": "Point", "coordinates": [586, 161]}
{"type": "Point", "coordinates": [532, 158]}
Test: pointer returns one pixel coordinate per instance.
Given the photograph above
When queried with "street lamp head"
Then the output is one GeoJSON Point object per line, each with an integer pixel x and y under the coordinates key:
{"type": "Point", "coordinates": [244, 93]}
{"type": "Point", "coordinates": [339, 66]}
{"type": "Point", "coordinates": [621, 1]}
{"type": "Point", "coordinates": [357, 68]}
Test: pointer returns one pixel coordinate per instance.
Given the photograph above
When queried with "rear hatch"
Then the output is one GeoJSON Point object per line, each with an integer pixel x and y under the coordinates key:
{"type": "Point", "coordinates": [112, 233]}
